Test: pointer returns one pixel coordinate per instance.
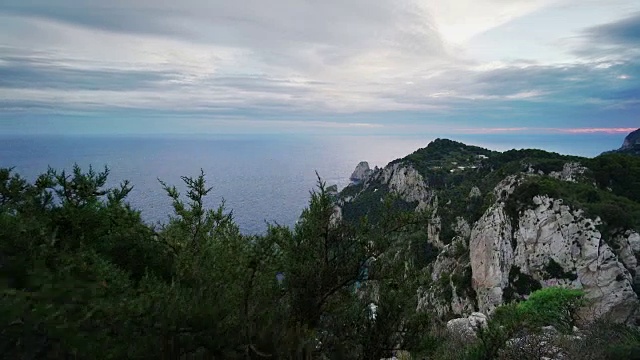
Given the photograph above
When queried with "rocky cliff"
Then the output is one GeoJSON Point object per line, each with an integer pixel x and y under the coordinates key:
{"type": "Point", "coordinates": [505, 224]}
{"type": "Point", "coordinates": [631, 144]}
{"type": "Point", "coordinates": [551, 244]}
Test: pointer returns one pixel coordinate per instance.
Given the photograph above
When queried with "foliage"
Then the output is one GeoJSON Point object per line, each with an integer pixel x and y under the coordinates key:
{"type": "Point", "coordinates": [519, 284]}
{"type": "Point", "coordinates": [82, 276]}
{"type": "Point", "coordinates": [553, 306]}
{"type": "Point", "coordinates": [506, 323]}
{"type": "Point", "coordinates": [616, 211]}
{"type": "Point", "coordinates": [618, 172]}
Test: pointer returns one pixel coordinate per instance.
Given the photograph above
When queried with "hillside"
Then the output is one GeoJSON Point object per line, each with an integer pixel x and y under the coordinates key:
{"type": "Point", "coordinates": [503, 224]}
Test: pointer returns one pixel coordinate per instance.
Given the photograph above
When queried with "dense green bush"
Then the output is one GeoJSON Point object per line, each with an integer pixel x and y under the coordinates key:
{"type": "Point", "coordinates": [552, 306]}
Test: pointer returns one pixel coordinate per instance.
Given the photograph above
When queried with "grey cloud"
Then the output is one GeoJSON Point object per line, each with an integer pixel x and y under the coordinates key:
{"type": "Point", "coordinates": [618, 40]}
{"type": "Point", "coordinates": [254, 23]}
{"type": "Point", "coordinates": [39, 81]}
{"type": "Point", "coordinates": [302, 57]}
{"type": "Point", "coordinates": [20, 72]}
{"type": "Point", "coordinates": [624, 32]}
{"type": "Point", "coordinates": [579, 85]}
{"type": "Point", "coordinates": [332, 41]}
{"type": "Point", "coordinates": [110, 19]}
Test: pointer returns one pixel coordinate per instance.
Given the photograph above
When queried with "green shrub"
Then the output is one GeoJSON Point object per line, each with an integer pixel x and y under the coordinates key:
{"type": "Point", "coordinates": [554, 306]}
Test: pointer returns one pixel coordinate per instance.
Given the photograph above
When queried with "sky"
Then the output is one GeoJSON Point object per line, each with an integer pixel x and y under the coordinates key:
{"type": "Point", "coordinates": [568, 67]}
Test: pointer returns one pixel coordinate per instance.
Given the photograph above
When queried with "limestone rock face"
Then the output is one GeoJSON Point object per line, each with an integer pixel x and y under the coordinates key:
{"type": "Point", "coordinates": [559, 246]}
{"type": "Point", "coordinates": [491, 256]}
{"type": "Point", "coordinates": [553, 245]}
{"type": "Point", "coordinates": [401, 179]}
{"type": "Point", "coordinates": [632, 140]}
{"type": "Point", "coordinates": [406, 182]}
{"type": "Point", "coordinates": [336, 217]}
{"type": "Point", "coordinates": [631, 144]}
{"type": "Point", "coordinates": [627, 247]}
{"type": "Point", "coordinates": [570, 172]}
{"type": "Point", "coordinates": [478, 320]}
{"type": "Point", "coordinates": [361, 173]}
{"type": "Point", "coordinates": [462, 227]}
{"type": "Point", "coordinates": [506, 187]}
{"type": "Point", "coordinates": [445, 296]}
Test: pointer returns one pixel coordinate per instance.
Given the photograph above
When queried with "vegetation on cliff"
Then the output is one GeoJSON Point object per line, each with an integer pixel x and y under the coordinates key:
{"type": "Point", "coordinates": [609, 186]}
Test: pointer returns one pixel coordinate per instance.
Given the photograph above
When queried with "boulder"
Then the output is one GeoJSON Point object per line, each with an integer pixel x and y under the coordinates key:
{"type": "Point", "coordinates": [467, 327]}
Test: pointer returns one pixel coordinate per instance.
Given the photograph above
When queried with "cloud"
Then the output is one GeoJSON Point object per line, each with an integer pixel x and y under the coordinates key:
{"type": "Point", "coordinates": [613, 42]}
{"type": "Point", "coordinates": [625, 32]}
{"type": "Point", "coordinates": [598, 130]}
{"type": "Point", "coordinates": [386, 62]}
{"type": "Point", "coordinates": [23, 73]}
{"type": "Point", "coordinates": [531, 130]}
{"type": "Point", "coordinates": [493, 130]}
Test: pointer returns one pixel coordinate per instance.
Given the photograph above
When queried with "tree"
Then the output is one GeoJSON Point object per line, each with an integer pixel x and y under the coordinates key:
{"type": "Point", "coordinates": [83, 276]}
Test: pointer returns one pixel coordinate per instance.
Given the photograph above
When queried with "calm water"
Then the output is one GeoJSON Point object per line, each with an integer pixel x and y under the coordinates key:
{"type": "Point", "coordinates": [262, 178]}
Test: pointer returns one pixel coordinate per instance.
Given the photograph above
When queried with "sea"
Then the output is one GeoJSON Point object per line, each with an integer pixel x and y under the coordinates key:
{"type": "Point", "coordinates": [262, 179]}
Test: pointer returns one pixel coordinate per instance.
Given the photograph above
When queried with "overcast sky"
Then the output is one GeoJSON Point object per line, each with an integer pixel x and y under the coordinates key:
{"type": "Point", "coordinates": [316, 66]}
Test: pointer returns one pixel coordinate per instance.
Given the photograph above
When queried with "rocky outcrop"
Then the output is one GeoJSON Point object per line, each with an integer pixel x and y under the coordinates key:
{"type": "Point", "coordinates": [406, 182]}
{"type": "Point", "coordinates": [631, 141]}
{"type": "Point", "coordinates": [631, 144]}
{"type": "Point", "coordinates": [449, 292]}
{"type": "Point", "coordinates": [445, 297]}
{"type": "Point", "coordinates": [571, 171]}
{"type": "Point", "coordinates": [626, 246]}
{"type": "Point", "coordinates": [400, 179]}
{"type": "Point", "coordinates": [467, 327]}
{"type": "Point", "coordinates": [475, 192]}
{"type": "Point", "coordinates": [550, 244]}
{"type": "Point", "coordinates": [491, 257]}
{"type": "Point", "coordinates": [361, 173]}
{"type": "Point", "coordinates": [560, 246]}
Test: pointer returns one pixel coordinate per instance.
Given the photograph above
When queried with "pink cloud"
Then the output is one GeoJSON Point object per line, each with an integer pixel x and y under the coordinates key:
{"type": "Point", "coordinates": [597, 130]}
{"type": "Point", "coordinates": [494, 130]}
{"type": "Point", "coordinates": [548, 130]}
